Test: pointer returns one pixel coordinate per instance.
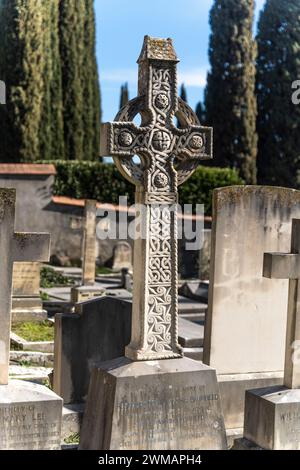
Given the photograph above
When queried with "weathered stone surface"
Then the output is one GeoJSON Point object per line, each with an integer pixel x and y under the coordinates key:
{"type": "Point", "coordinates": [30, 417]}
{"type": "Point", "coordinates": [272, 418]}
{"type": "Point", "coordinates": [169, 404]}
{"type": "Point", "coordinates": [159, 401]}
{"type": "Point", "coordinates": [232, 391]}
{"type": "Point", "coordinates": [83, 293]}
{"type": "Point", "coordinates": [204, 255]}
{"type": "Point", "coordinates": [14, 246]}
{"type": "Point", "coordinates": [122, 257]}
{"type": "Point", "coordinates": [89, 243]}
{"type": "Point", "coordinates": [246, 320]}
{"type": "Point", "coordinates": [26, 279]}
{"type": "Point", "coordinates": [26, 301]}
{"type": "Point", "coordinates": [98, 331]}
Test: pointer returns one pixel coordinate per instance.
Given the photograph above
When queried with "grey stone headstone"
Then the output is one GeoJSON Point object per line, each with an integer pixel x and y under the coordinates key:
{"type": "Point", "coordinates": [98, 331]}
{"type": "Point", "coordinates": [246, 319]}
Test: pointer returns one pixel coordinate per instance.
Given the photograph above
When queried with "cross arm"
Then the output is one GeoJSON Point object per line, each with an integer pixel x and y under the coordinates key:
{"type": "Point", "coordinates": [281, 266]}
{"type": "Point", "coordinates": [195, 143]}
{"type": "Point", "coordinates": [31, 246]}
{"type": "Point", "coordinates": [121, 139]}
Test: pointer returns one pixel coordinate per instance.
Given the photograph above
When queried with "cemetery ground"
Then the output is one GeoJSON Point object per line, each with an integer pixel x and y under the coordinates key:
{"type": "Point", "coordinates": [134, 356]}
{"type": "Point", "coordinates": [32, 340]}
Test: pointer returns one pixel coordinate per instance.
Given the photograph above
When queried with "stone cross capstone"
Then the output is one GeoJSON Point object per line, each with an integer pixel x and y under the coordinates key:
{"type": "Point", "coordinates": [168, 156]}
{"type": "Point", "coordinates": [287, 266]}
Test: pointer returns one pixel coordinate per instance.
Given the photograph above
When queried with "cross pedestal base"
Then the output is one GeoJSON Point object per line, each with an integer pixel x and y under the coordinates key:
{"type": "Point", "coordinates": [272, 419]}
{"type": "Point", "coordinates": [30, 417]}
{"type": "Point", "coordinates": [147, 405]}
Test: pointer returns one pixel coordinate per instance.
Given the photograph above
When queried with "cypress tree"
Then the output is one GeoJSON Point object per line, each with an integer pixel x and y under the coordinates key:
{"type": "Point", "coordinates": [230, 100]}
{"type": "Point", "coordinates": [90, 85]}
{"type": "Point", "coordinates": [81, 94]}
{"type": "Point", "coordinates": [22, 68]}
{"type": "Point", "coordinates": [71, 30]}
{"type": "Point", "coordinates": [200, 112]}
{"type": "Point", "coordinates": [51, 135]}
{"type": "Point", "coordinates": [124, 95]}
{"type": "Point", "coordinates": [183, 94]}
{"type": "Point", "coordinates": [278, 120]}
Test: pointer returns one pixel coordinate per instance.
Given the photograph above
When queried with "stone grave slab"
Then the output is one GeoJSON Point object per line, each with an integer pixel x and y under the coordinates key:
{"type": "Point", "coordinates": [30, 415]}
{"type": "Point", "coordinates": [122, 257]}
{"type": "Point", "coordinates": [246, 320]}
{"type": "Point", "coordinates": [272, 415]}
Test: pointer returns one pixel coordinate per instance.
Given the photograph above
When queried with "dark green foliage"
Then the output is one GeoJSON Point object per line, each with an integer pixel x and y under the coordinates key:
{"type": "Point", "coordinates": [52, 278]}
{"type": "Point", "coordinates": [81, 95]}
{"type": "Point", "coordinates": [47, 59]}
{"type": "Point", "coordinates": [278, 66]}
{"type": "Point", "coordinates": [51, 136]}
{"type": "Point", "coordinates": [124, 95]}
{"type": "Point", "coordinates": [103, 182]}
{"type": "Point", "coordinates": [183, 94]}
{"type": "Point", "coordinates": [200, 111]}
{"type": "Point", "coordinates": [230, 94]}
{"type": "Point", "coordinates": [22, 63]}
{"type": "Point", "coordinates": [90, 86]}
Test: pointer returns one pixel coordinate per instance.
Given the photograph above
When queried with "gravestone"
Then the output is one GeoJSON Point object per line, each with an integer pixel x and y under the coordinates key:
{"type": "Point", "coordinates": [89, 243]}
{"type": "Point", "coordinates": [88, 288]}
{"type": "Point", "coordinates": [26, 301]}
{"type": "Point", "coordinates": [30, 414]}
{"type": "Point", "coordinates": [154, 398]}
{"type": "Point", "coordinates": [99, 330]}
{"type": "Point", "coordinates": [246, 319]}
{"type": "Point", "coordinates": [122, 257]}
{"type": "Point", "coordinates": [272, 414]}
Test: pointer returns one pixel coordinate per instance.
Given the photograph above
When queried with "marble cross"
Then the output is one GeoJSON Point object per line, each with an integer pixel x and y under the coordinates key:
{"type": "Point", "coordinates": [14, 246]}
{"type": "Point", "coordinates": [287, 266]}
{"type": "Point", "coordinates": [168, 156]}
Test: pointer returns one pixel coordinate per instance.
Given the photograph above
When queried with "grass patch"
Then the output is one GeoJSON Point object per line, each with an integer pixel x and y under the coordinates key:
{"type": "Point", "coordinates": [51, 278]}
{"type": "Point", "coordinates": [34, 331]}
{"type": "Point", "coordinates": [72, 439]}
{"type": "Point", "coordinates": [103, 270]}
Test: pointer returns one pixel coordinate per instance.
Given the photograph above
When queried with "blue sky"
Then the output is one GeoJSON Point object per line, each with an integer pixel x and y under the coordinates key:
{"type": "Point", "coordinates": [121, 26]}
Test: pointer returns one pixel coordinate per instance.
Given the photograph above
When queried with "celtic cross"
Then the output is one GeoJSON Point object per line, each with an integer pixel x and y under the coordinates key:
{"type": "Point", "coordinates": [168, 156]}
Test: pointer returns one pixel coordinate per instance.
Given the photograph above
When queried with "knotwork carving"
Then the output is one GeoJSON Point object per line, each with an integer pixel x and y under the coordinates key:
{"type": "Point", "coordinates": [168, 156]}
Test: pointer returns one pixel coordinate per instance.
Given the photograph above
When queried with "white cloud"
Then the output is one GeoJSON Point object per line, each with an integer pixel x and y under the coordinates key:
{"type": "Point", "coordinates": [194, 77]}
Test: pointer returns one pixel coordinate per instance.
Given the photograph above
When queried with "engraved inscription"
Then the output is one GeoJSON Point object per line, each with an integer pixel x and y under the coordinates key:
{"type": "Point", "coordinates": [27, 426]}
{"type": "Point", "coordinates": [186, 413]}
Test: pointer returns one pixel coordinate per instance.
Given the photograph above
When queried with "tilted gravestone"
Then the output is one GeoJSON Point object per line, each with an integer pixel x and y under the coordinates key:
{"type": "Point", "coordinates": [27, 304]}
{"type": "Point", "coordinates": [272, 414]}
{"type": "Point", "coordinates": [122, 256]}
{"type": "Point", "coordinates": [246, 319]}
{"type": "Point", "coordinates": [30, 414]}
{"type": "Point", "coordinates": [88, 288]}
{"type": "Point", "coordinates": [154, 398]}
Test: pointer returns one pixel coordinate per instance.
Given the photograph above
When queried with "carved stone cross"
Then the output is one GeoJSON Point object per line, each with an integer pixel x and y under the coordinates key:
{"type": "Point", "coordinates": [168, 157]}
{"type": "Point", "coordinates": [287, 266]}
{"type": "Point", "coordinates": [14, 246]}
